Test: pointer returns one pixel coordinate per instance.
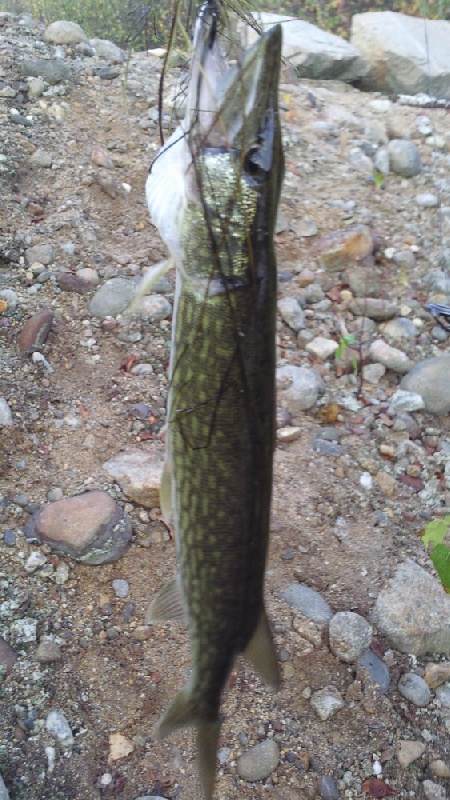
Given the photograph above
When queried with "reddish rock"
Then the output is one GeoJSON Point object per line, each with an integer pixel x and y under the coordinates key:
{"type": "Point", "coordinates": [90, 527]}
{"type": "Point", "coordinates": [68, 282]}
{"type": "Point", "coordinates": [8, 656]}
{"type": "Point", "coordinates": [35, 331]}
{"type": "Point", "coordinates": [336, 250]}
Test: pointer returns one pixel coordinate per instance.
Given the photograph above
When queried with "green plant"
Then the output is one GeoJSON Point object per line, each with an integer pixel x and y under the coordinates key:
{"type": "Point", "coordinates": [433, 537]}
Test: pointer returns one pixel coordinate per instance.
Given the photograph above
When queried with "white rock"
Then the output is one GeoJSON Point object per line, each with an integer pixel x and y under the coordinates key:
{"type": "Point", "coordinates": [327, 702]}
{"type": "Point", "coordinates": [406, 401]}
{"type": "Point", "coordinates": [390, 357]}
{"type": "Point", "coordinates": [298, 388]}
{"type": "Point", "coordinates": [58, 726]}
{"type": "Point", "coordinates": [350, 636]}
{"type": "Point", "coordinates": [322, 348]}
{"type": "Point", "coordinates": [291, 313]}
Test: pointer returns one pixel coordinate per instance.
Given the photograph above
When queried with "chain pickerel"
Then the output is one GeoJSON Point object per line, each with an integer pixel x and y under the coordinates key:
{"type": "Point", "coordinates": [213, 193]}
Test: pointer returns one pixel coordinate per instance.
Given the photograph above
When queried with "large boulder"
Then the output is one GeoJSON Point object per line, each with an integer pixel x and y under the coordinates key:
{"type": "Point", "coordinates": [314, 53]}
{"type": "Point", "coordinates": [406, 54]}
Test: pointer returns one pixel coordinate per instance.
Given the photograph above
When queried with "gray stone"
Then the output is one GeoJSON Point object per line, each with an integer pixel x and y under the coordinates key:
{"type": "Point", "coordinates": [372, 373]}
{"type": "Point", "coordinates": [52, 70]}
{"type": "Point", "coordinates": [36, 87]}
{"type": "Point", "coordinates": [438, 281]}
{"type": "Point", "coordinates": [6, 417]}
{"type": "Point", "coordinates": [121, 588]}
{"type": "Point", "coordinates": [23, 630]}
{"type": "Point", "coordinates": [413, 688]}
{"type": "Point", "coordinates": [400, 328]}
{"type": "Point", "coordinates": [433, 791]}
{"type": "Point", "coordinates": [42, 253]}
{"type": "Point", "coordinates": [138, 474]}
{"type": "Point", "coordinates": [374, 308]}
{"type": "Point", "coordinates": [409, 751]}
{"type": "Point", "coordinates": [430, 379]}
{"type": "Point", "coordinates": [64, 32]}
{"type": "Point", "coordinates": [413, 612]}
{"type": "Point", "coordinates": [153, 307]}
{"type": "Point", "coordinates": [57, 725]}
{"type": "Point", "coordinates": [405, 401]}
{"type": "Point", "coordinates": [376, 669]}
{"type": "Point", "coordinates": [313, 52]}
{"type": "Point", "coordinates": [291, 313]}
{"type": "Point", "coordinates": [327, 702]}
{"type": "Point", "coordinates": [404, 158]}
{"type": "Point", "coordinates": [107, 50]}
{"type": "Point", "coordinates": [298, 388]}
{"type": "Point", "coordinates": [405, 56]}
{"type": "Point", "coordinates": [426, 199]}
{"type": "Point", "coordinates": [112, 297]}
{"type": "Point", "coordinates": [259, 762]}
{"type": "Point", "coordinates": [310, 603]}
{"type": "Point", "coordinates": [8, 655]}
{"type": "Point", "coordinates": [327, 448]}
{"type": "Point", "coordinates": [48, 652]}
{"type": "Point", "coordinates": [41, 158]}
{"type": "Point", "coordinates": [4, 794]}
{"type": "Point", "coordinates": [443, 695]}
{"type": "Point", "coordinates": [321, 348]}
{"type": "Point", "coordinates": [349, 636]}
{"type": "Point", "coordinates": [108, 73]}
{"type": "Point", "coordinates": [391, 357]}
{"type": "Point", "coordinates": [363, 282]}
{"type": "Point", "coordinates": [381, 161]}
{"type": "Point", "coordinates": [90, 527]}
{"type": "Point", "coordinates": [328, 789]}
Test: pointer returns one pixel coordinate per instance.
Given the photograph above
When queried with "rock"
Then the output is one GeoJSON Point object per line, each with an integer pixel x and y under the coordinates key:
{"type": "Point", "coordinates": [400, 328]}
{"type": "Point", "coordinates": [23, 630]}
{"type": "Point", "coordinates": [376, 669]}
{"type": "Point", "coordinates": [138, 475]}
{"type": "Point", "coordinates": [36, 87]}
{"type": "Point", "coordinates": [309, 602]}
{"type": "Point", "coordinates": [90, 527]}
{"type": "Point", "coordinates": [88, 275]}
{"type": "Point", "coordinates": [336, 250]}
{"type": "Point", "coordinates": [373, 307]}
{"type": "Point", "coordinates": [52, 70]}
{"type": "Point", "coordinates": [48, 652]}
{"type": "Point", "coordinates": [327, 702]}
{"type": "Point", "coordinates": [8, 656]}
{"type": "Point", "coordinates": [35, 331]}
{"type": "Point", "coordinates": [433, 791]}
{"type": "Point", "coordinates": [108, 73]}
{"type": "Point", "coordinates": [362, 281]}
{"type": "Point", "coordinates": [439, 768]}
{"type": "Point", "coordinates": [328, 789]}
{"type": "Point", "coordinates": [259, 762]}
{"type": "Point", "coordinates": [41, 158]}
{"type": "Point", "coordinates": [298, 388]}
{"type": "Point", "coordinates": [4, 794]}
{"type": "Point", "coordinates": [321, 348]}
{"type": "Point", "coordinates": [372, 373]}
{"type": "Point", "coordinates": [437, 673]}
{"type": "Point", "coordinates": [57, 725]}
{"type": "Point", "coordinates": [404, 56]}
{"type": "Point", "coordinates": [409, 751]}
{"type": "Point", "coordinates": [153, 307]}
{"type": "Point", "coordinates": [414, 689]}
{"type": "Point", "coordinates": [404, 158]}
{"type": "Point", "coordinates": [413, 612]}
{"type": "Point", "coordinates": [64, 32]}
{"type": "Point", "coordinates": [121, 588]}
{"type": "Point", "coordinates": [107, 50]}
{"type": "Point", "coordinates": [426, 199]}
{"type": "Point", "coordinates": [68, 282]}
{"type": "Point", "coordinates": [34, 561]}
{"type": "Point", "coordinates": [112, 297]}
{"type": "Point", "coordinates": [41, 253]}
{"type": "Point", "coordinates": [327, 448]}
{"type": "Point", "coordinates": [349, 636]}
{"type": "Point", "coordinates": [405, 401]}
{"type": "Point", "coordinates": [291, 313]}
{"type": "Point", "coordinates": [429, 378]}
{"type": "Point", "coordinates": [289, 433]}
{"type": "Point", "coordinates": [313, 52]}
{"type": "Point", "coordinates": [119, 747]}
{"type": "Point", "coordinates": [6, 417]}
{"type": "Point", "coordinates": [390, 357]}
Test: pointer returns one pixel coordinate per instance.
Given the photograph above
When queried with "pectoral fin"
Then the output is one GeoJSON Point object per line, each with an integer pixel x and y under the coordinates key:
{"type": "Point", "coordinates": [168, 604]}
{"type": "Point", "coordinates": [152, 276]}
{"type": "Point", "coordinates": [261, 652]}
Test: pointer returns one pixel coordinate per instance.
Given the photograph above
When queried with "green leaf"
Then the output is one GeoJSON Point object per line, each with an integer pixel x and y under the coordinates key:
{"type": "Point", "coordinates": [440, 557]}
{"type": "Point", "coordinates": [435, 531]}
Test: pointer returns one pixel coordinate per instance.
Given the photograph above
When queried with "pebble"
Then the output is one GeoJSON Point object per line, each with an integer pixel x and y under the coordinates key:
{"type": "Point", "coordinates": [409, 751]}
{"type": "Point", "coordinates": [439, 768]}
{"type": "Point", "coordinates": [121, 587]}
{"type": "Point", "coordinates": [427, 200]}
{"type": "Point", "coordinates": [414, 689]}
{"type": "Point", "coordinates": [362, 281]}
{"type": "Point", "coordinates": [291, 313]}
{"type": "Point", "coordinates": [392, 358]}
{"type": "Point", "coordinates": [327, 702]}
{"type": "Point", "coordinates": [429, 378]}
{"type": "Point", "coordinates": [433, 791]}
{"type": "Point", "coordinates": [35, 331]}
{"type": "Point", "coordinates": [42, 253]}
{"type": "Point", "coordinates": [90, 527]}
{"type": "Point", "coordinates": [68, 282]}
{"type": "Point", "coordinates": [349, 636]}
{"type": "Point", "coordinates": [328, 789]}
{"type": "Point", "coordinates": [376, 669]}
{"type": "Point", "coordinates": [321, 348]}
{"type": "Point", "coordinates": [413, 610]}
{"type": "Point", "coordinates": [112, 297]}
{"type": "Point", "coordinates": [64, 32]}
{"type": "Point", "coordinates": [327, 448]}
{"type": "Point", "coordinates": [153, 308]}
{"type": "Point", "coordinates": [437, 673]}
{"type": "Point", "coordinates": [88, 275]}
{"type": "Point", "coordinates": [298, 388]}
{"type": "Point", "coordinates": [34, 561]}
{"type": "Point", "coordinates": [6, 417]}
{"type": "Point", "coordinates": [107, 50]}
{"type": "Point", "coordinates": [259, 762]}
{"type": "Point", "coordinates": [9, 538]}
{"type": "Point", "coordinates": [52, 70]}
{"type": "Point", "coordinates": [443, 695]}
{"type": "Point", "coordinates": [373, 373]}
{"type": "Point", "coordinates": [23, 630]}
{"type": "Point", "coordinates": [374, 308]}
{"type": "Point", "coordinates": [309, 602]}
{"type": "Point", "coordinates": [55, 494]}
{"type": "Point", "coordinates": [405, 401]}
{"type": "Point", "coordinates": [138, 474]}
{"type": "Point", "coordinates": [337, 249]}
{"type": "Point", "coordinates": [400, 328]}
{"type": "Point", "coordinates": [289, 433]}
{"type": "Point", "coordinates": [404, 158]}
{"type": "Point", "coordinates": [58, 726]}
{"type": "Point", "coordinates": [48, 652]}
{"type": "Point", "coordinates": [8, 655]}
{"type": "Point", "coordinates": [4, 794]}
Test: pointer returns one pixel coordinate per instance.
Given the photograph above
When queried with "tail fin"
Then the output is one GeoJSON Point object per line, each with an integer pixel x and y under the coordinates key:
{"type": "Point", "coordinates": [181, 713]}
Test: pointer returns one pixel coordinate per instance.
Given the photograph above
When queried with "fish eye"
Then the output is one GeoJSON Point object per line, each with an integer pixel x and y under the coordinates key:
{"type": "Point", "coordinates": [252, 165]}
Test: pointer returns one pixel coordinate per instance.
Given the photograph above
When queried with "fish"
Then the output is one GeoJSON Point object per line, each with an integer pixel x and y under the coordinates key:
{"type": "Point", "coordinates": [213, 194]}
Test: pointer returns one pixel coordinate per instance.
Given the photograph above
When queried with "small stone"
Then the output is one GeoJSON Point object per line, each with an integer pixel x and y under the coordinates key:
{"type": "Point", "coordinates": [52, 70]}
{"type": "Point", "coordinates": [390, 357]}
{"type": "Point", "coordinates": [64, 32]}
{"type": "Point", "coordinates": [121, 587]}
{"type": "Point", "coordinates": [8, 656]}
{"type": "Point", "coordinates": [42, 253]}
{"type": "Point", "coordinates": [373, 307]}
{"type": "Point", "coordinates": [427, 200]}
{"type": "Point", "coordinates": [328, 789]}
{"type": "Point", "coordinates": [107, 50]}
{"type": "Point", "coordinates": [88, 275]}
{"type": "Point", "coordinates": [387, 483]}
{"type": "Point", "coordinates": [291, 313]}
{"type": "Point", "coordinates": [58, 726]}
{"type": "Point", "coordinates": [153, 308]}
{"type": "Point", "coordinates": [34, 561]}
{"type": "Point", "coordinates": [298, 388]}
{"type": "Point", "coordinates": [309, 602]}
{"type": "Point", "coordinates": [414, 689]}
{"type": "Point", "coordinates": [443, 695]}
{"type": "Point", "coordinates": [439, 768]}
{"type": "Point", "coordinates": [138, 475]}
{"type": "Point", "coordinates": [409, 751]}
{"type": "Point", "coordinates": [108, 73]}
{"type": "Point", "coordinates": [327, 702]}
{"type": "Point", "coordinates": [376, 669]}
{"type": "Point", "coordinates": [405, 401]}
{"type": "Point", "coordinates": [404, 158]}
{"type": "Point", "coordinates": [23, 630]}
{"type": "Point", "coordinates": [91, 527]}
{"type": "Point", "coordinates": [112, 297]}
{"type": "Point", "coordinates": [433, 791]}
{"type": "Point", "coordinates": [336, 250]}
{"type": "Point", "coordinates": [9, 538]}
{"type": "Point", "coordinates": [6, 417]}
{"type": "Point", "coordinates": [429, 378]}
{"type": "Point", "coordinates": [288, 434]}
{"type": "Point", "coordinates": [349, 636]}
{"type": "Point", "coordinates": [68, 282]}
{"type": "Point", "coordinates": [48, 652]}
{"type": "Point", "coordinates": [321, 348]}
{"type": "Point", "coordinates": [35, 331]}
{"type": "Point", "coordinates": [327, 448]}
{"type": "Point", "coordinates": [372, 373]}
{"type": "Point", "coordinates": [41, 158]}
{"type": "Point", "coordinates": [259, 762]}
{"type": "Point", "coordinates": [4, 794]}
{"type": "Point", "coordinates": [400, 328]}
{"type": "Point", "coordinates": [55, 494]}
{"type": "Point", "coordinates": [437, 673]}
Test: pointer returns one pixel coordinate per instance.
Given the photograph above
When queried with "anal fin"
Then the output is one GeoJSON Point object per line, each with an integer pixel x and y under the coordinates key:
{"type": "Point", "coordinates": [261, 652]}
{"type": "Point", "coordinates": [168, 604]}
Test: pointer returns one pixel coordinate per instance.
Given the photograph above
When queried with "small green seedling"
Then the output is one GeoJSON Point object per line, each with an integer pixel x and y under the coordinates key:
{"type": "Point", "coordinates": [433, 537]}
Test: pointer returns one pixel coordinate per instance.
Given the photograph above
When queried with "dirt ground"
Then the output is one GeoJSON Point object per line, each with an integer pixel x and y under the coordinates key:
{"type": "Point", "coordinates": [69, 422]}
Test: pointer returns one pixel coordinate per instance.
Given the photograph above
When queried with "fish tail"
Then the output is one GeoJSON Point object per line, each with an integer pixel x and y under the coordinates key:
{"type": "Point", "coordinates": [183, 712]}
